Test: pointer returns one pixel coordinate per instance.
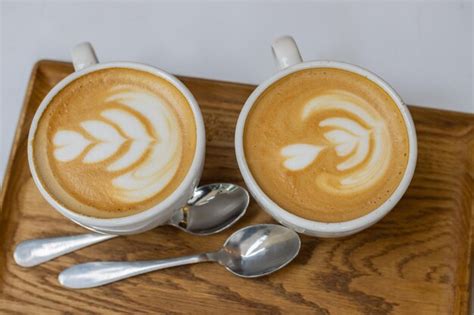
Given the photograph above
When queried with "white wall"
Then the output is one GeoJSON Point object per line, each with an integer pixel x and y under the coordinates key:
{"type": "Point", "coordinates": [423, 49]}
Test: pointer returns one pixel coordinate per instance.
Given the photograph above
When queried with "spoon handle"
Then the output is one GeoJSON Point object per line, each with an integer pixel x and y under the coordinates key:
{"type": "Point", "coordinates": [94, 274]}
{"type": "Point", "coordinates": [34, 252]}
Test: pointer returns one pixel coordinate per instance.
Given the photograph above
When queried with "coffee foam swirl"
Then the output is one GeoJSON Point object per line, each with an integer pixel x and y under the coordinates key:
{"type": "Point", "coordinates": [103, 138]}
{"type": "Point", "coordinates": [361, 137]}
{"type": "Point", "coordinates": [115, 142]}
{"type": "Point", "coordinates": [326, 144]}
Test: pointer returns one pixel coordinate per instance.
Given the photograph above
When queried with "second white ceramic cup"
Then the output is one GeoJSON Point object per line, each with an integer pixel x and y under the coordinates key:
{"type": "Point", "coordinates": [288, 60]}
{"type": "Point", "coordinates": [85, 62]}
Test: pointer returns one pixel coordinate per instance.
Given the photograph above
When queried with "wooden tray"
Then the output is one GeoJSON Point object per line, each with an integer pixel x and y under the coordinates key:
{"type": "Point", "coordinates": [416, 260]}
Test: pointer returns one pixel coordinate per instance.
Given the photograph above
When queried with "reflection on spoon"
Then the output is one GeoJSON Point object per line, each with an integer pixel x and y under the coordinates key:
{"type": "Point", "coordinates": [211, 209]}
{"type": "Point", "coordinates": [253, 251]}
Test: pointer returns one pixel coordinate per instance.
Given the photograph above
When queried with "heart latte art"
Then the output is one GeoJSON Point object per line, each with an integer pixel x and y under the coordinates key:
{"type": "Point", "coordinates": [113, 142]}
{"type": "Point", "coordinates": [326, 144]}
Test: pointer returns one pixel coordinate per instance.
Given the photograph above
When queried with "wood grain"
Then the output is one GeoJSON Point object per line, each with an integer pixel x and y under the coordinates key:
{"type": "Point", "coordinates": [415, 261]}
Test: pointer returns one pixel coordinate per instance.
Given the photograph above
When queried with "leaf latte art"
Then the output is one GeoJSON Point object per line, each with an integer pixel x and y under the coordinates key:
{"type": "Point", "coordinates": [104, 137]}
{"type": "Point", "coordinates": [115, 142]}
{"type": "Point", "coordinates": [326, 144]}
{"type": "Point", "coordinates": [366, 149]}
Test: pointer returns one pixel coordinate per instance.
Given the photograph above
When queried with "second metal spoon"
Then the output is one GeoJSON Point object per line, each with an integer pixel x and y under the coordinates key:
{"type": "Point", "coordinates": [212, 209]}
{"type": "Point", "coordinates": [253, 251]}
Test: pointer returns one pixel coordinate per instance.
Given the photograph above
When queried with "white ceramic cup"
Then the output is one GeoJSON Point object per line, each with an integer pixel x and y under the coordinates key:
{"type": "Point", "coordinates": [289, 60]}
{"type": "Point", "coordinates": [85, 62]}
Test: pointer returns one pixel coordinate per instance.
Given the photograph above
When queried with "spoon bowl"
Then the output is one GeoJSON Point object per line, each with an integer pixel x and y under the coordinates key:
{"type": "Point", "coordinates": [259, 250]}
{"type": "Point", "coordinates": [213, 208]}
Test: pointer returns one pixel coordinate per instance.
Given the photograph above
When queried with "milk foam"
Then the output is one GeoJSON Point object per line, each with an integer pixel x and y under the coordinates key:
{"type": "Point", "coordinates": [115, 142]}
{"type": "Point", "coordinates": [69, 144]}
{"type": "Point", "coordinates": [366, 146]}
{"type": "Point", "coordinates": [150, 129]}
{"type": "Point", "coordinates": [326, 144]}
{"type": "Point", "coordinates": [300, 155]}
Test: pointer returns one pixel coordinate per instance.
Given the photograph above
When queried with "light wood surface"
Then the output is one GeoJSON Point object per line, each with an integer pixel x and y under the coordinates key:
{"type": "Point", "coordinates": [415, 261]}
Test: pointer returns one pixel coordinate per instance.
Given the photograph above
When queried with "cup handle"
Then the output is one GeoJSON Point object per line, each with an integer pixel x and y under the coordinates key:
{"type": "Point", "coordinates": [83, 56]}
{"type": "Point", "coordinates": [285, 52]}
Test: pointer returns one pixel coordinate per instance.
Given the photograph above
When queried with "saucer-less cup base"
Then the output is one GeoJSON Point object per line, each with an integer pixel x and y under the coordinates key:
{"type": "Point", "coordinates": [288, 60]}
{"type": "Point", "coordinates": [85, 61]}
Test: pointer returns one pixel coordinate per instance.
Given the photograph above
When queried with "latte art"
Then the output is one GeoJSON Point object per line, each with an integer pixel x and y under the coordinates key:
{"type": "Point", "coordinates": [115, 142]}
{"type": "Point", "coordinates": [366, 149]}
{"type": "Point", "coordinates": [326, 144]}
{"type": "Point", "coordinates": [103, 138]}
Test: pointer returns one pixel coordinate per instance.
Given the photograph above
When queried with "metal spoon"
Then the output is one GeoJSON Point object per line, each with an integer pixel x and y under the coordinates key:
{"type": "Point", "coordinates": [253, 251]}
{"type": "Point", "coordinates": [212, 209]}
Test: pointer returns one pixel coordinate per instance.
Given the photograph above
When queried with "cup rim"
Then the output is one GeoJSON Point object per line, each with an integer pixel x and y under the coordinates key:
{"type": "Point", "coordinates": [315, 227]}
{"type": "Point", "coordinates": [167, 203]}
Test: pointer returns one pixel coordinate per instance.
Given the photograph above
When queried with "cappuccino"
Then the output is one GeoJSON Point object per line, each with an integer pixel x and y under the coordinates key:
{"type": "Point", "coordinates": [114, 142]}
{"type": "Point", "coordinates": [326, 144]}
